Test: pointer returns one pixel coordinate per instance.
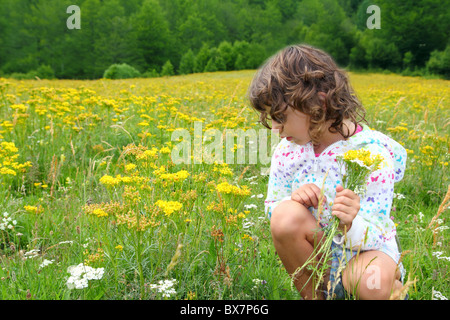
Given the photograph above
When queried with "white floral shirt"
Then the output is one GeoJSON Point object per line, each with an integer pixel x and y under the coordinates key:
{"type": "Point", "coordinates": [372, 229]}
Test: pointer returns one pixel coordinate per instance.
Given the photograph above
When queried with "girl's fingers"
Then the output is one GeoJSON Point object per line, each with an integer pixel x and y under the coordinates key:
{"type": "Point", "coordinates": [313, 200]}
{"type": "Point", "coordinates": [351, 209]}
{"type": "Point", "coordinates": [343, 217]}
{"type": "Point", "coordinates": [295, 196]}
{"type": "Point", "coordinates": [307, 195]}
{"type": "Point", "coordinates": [305, 199]}
{"type": "Point", "coordinates": [344, 200]}
{"type": "Point", "coordinates": [316, 191]}
{"type": "Point", "coordinates": [340, 192]}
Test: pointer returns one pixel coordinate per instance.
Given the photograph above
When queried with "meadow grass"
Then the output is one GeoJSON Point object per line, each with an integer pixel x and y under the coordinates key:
{"type": "Point", "coordinates": [87, 177]}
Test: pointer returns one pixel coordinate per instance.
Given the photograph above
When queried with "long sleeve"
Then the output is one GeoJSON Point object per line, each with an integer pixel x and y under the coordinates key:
{"type": "Point", "coordinates": [373, 225]}
{"type": "Point", "coordinates": [280, 181]}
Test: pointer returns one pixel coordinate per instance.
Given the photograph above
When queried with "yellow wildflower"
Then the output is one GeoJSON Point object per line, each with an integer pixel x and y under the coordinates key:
{"type": "Point", "coordinates": [99, 213]}
{"type": "Point", "coordinates": [227, 188]}
{"type": "Point", "coordinates": [164, 150]}
{"type": "Point", "coordinates": [175, 177]}
{"type": "Point", "coordinates": [130, 167]}
{"type": "Point", "coordinates": [427, 150]}
{"type": "Point", "coordinates": [109, 180]}
{"type": "Point", "coordinates": [169, 206]}
{"type": "Point", "coordinates": [247, 237]}
{"type": "Point", "coordinates": [33, 209]}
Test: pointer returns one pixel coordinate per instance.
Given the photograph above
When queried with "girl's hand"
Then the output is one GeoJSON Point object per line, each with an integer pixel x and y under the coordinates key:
{"type": "Point", "coordinates": [346, 206]}
{"type": "Point", "coordinates": [307, 195]}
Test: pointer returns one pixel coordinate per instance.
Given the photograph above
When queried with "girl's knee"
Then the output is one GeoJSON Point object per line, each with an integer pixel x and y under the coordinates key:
{"type": "Point", "coordinates": [382, 290]}
{"type": "Point", "coordinates": [373, 280]}
{"type": "Point", "coordinates": [288, 218]}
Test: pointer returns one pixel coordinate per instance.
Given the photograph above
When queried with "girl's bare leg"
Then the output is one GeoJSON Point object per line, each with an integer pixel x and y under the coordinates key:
{"type": "Point", "coordinates": [372, 275]}
{"type": "Point", "coordinates": [295, 235]}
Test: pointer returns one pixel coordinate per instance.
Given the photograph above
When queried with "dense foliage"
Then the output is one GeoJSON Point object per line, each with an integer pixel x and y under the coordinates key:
{"type": "Point", "coordinates": [215, 35]}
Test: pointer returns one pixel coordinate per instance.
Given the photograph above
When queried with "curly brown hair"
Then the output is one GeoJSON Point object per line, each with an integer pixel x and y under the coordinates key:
{"type": "Point", "coordinates": [294, 77]}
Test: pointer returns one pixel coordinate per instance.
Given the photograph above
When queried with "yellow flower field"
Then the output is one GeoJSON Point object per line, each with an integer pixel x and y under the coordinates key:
{"type": "Point", "coordinates": [88, 166]}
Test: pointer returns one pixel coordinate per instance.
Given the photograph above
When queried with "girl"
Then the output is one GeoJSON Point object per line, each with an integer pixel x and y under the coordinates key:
{"type": "Point", "coordinates": [309, 101]}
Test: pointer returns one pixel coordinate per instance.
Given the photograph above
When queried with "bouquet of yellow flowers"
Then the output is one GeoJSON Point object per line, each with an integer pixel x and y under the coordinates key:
{"type": "Point", "coordinates": [359, 165]}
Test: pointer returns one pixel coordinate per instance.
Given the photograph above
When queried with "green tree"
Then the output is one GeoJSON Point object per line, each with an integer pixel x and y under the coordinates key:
{"type": "Point", "coordinates": [115, 43]}
{"type": "Point", "coordinates": [167, 69]}
{"type": "Point", "coordinates": [381, 54]}
{"type": "Point", "coordinates": [202, 58]}
{"type": "Point", "coordinates": [439, 62]}
{"type": "Point", "coordinates": [152, 34]}
{"type": "Point", "coordinates": [187, 63]}
{"type": "Point", "coordinates": [243, 33]}
{"type": "Point", "coordinates": [121, 71]}
{"type": "Point", "coordinates": [226, 52]}
{"type": "Point", "coordinates": [417, 26]}
{"type": "Point", "coordinates": [328, 28]}
{"type": "Point", "coordinates": [80, 59]}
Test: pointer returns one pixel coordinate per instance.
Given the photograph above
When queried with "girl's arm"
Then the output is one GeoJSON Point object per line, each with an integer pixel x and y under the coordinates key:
{"type": "Point", "coordinates": [280, 182]}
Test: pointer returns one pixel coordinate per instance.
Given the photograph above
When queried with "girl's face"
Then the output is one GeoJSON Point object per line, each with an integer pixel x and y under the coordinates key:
{"type": "Point", "coordinates": [295, 128]}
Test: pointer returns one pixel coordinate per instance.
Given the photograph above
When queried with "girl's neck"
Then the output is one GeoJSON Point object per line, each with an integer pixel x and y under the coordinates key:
{"type": "Point", "coordinates": [329, 138]}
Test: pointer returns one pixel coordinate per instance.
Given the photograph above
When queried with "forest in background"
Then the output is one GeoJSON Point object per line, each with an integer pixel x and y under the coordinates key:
{"type": "Point", "coordinates": [169, 37]}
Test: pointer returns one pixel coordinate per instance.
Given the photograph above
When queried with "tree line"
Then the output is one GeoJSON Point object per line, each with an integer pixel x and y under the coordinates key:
{"type": "Point", "coordinates": [165, 37]}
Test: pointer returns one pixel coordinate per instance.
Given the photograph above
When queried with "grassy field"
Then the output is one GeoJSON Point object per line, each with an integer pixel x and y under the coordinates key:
{"type": "Point", "coordinates": [87, 178]}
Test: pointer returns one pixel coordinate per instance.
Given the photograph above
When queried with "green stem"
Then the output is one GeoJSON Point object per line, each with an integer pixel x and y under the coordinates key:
{"type": "Point", "coordinates": [139, 255]}
{"type": "Point", "coordinates": [324, 252]}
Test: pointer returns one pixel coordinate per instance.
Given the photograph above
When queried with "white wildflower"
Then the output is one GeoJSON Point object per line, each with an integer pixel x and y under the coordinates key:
{"type": "Point", "coordinates": [360, 163]}
{"type": "Point", "coordinates": [68, 241]}
{"type": "Point", "coordinates": [421, 217]}
{"type": "Point", "coordinates": [7, 222]}
{"type": "Point", "coordinates": [441, 228]}
{"type": "Point", "coordinates": [46, 263]}
{"type": "Point", "coordinates": [436, 295]}
{"type": "Point", "coordinates": [438, 254]}
{"type": "Point", "coordinates": [31, 254]}
{"type": "Point", "coordinates": [250, 206]}
{"type": "Point", "coordinates": [247, 224]}
{"type": "Point", "coordinates": [398, 196]}
{"type": "Point", "coordinates": [77, 283]}
{"type": "Point", "coordinates": [165, 287]}
{"type": "Point", "coordinates": [81, 274]}
{"type": "Point", "coordinates": [258, 283]}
